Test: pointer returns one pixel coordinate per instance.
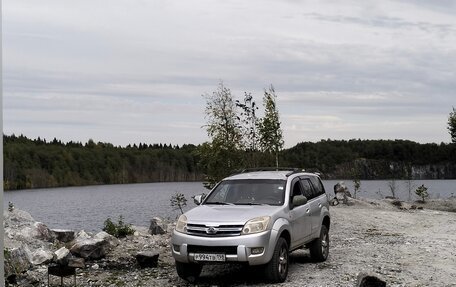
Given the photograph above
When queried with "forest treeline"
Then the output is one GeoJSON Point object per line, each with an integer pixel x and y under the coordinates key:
{"type": "Point", "coordinates": [37, 163]}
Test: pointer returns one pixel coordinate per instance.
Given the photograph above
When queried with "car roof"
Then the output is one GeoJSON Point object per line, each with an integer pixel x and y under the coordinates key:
{"type": "Point", "coordinates": [273, 174]}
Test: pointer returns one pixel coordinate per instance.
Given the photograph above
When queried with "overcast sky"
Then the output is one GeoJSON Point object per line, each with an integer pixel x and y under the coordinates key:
{"type": "Point", "coordinates": [131, 71]}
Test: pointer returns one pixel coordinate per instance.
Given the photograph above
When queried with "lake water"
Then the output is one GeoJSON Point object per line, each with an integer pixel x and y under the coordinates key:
{"type": "Point", "coordinates": [88, 207]}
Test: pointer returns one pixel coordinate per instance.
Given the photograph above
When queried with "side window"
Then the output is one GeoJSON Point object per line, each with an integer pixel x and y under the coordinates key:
{"type": "Point", "coordinates": [318, 186]}
{"type": "Point", "coordinates": [296, 188]}
{"type": "Point", "coordinates": [307, 189]}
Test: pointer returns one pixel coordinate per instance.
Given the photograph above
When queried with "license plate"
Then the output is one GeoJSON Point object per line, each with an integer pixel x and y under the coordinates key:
{"type": "Point", "coordinates": [209, 257]}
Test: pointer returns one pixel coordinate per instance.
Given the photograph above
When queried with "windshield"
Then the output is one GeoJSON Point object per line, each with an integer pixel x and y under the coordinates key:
{"type": "Point", "coordinates": [248, 192]}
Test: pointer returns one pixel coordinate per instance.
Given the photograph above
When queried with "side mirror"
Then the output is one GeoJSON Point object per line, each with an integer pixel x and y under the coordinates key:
{"type": "Point", "coordinates": [197, 199]}
{"type": "Point", "coordinates": [299, 200]}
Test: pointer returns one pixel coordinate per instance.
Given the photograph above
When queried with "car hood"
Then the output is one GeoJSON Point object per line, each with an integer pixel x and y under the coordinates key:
{"type": "Point", "coordinates": [228, 214]}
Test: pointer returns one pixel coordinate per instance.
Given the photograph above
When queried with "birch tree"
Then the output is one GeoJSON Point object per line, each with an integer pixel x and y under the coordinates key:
{"type": "Point", "coordinates": [269, 127]}
{"type": "Point", "coordinates": [221, 155]}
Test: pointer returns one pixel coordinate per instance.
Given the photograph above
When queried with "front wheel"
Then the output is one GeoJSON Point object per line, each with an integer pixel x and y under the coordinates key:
{"type": "Point", "coordinates": [277, 269]}
{"type": "Point", "coordinates": [319, 249]}
{"type": "Point", "coordinates": [188, 271]}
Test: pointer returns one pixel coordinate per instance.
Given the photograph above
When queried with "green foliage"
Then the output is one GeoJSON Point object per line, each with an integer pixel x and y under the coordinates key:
{"type": "Point", "coordinates": [178, 201]}
{"type": "Point", "coordinates": [222, 120]}
{"type": "Point", "coordinates": [222, 154]}
{"type": "Point", "coordinates": [421, 191]}
{"type": "Point", "coordinates": [249, 128]}
{"type": "Point", "coordinates": [37, 163]}
{"type": "Point", "coordinates": [335, 158]}
{"type": "Point", "coordinates": [119, 229]}
{"type": "Point", "coordinates": [452, 125]}
{"type": "Point", "coordinates": [270, 132]}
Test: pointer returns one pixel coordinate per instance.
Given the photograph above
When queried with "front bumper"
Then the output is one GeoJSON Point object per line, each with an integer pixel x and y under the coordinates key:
{"type": "Point", "coordinates": [235, 248]}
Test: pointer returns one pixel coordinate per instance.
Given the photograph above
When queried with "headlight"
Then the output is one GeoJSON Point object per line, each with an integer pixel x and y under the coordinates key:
{"type": "Point", "coordinates": [255, 225]}
{"type": "Point", "coordinates": [181, 224]}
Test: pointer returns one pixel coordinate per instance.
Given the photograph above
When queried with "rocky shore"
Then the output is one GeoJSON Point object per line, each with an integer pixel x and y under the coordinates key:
{"type": "Point", "coordinates": [404, 244]}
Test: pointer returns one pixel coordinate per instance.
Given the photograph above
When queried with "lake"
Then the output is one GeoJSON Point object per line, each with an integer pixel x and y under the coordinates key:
{"type": "Point", "coordinates": [89, 206]}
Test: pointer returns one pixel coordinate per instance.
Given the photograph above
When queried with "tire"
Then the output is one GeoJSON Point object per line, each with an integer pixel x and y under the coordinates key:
{"type": "Point", "coordinates": [319, 248]}
{"type": "Point", "coordinates": [188, 271]}
{"type": "Point", "coordinates": [276, 270]}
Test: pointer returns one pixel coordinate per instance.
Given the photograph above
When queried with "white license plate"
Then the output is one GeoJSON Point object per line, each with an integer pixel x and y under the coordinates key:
{"type": "Point", "coordinates": [209, 257]}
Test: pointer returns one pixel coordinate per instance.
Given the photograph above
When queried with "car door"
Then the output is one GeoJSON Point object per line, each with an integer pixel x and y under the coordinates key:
{"type": "Point", "coordinates": [299, 217]}
{"type": "Point", "coordinates": [314, 205]}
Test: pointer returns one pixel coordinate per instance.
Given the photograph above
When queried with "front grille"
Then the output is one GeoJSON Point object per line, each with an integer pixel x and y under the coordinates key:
{"type": "Point", "coordinates": [230, 250]}
{"type": "Point", "coordinates": [214, 231]}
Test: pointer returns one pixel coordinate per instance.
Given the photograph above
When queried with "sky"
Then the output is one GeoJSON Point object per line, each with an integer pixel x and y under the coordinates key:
{"type": "Point", "coordinates": [135, 71]}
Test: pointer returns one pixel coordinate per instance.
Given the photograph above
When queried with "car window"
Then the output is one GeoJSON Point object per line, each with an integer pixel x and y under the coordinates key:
{"type": "Point", "coordinates": [307, 189]}
{"type": "Point", "coordinates": [221, 194]}
{"type": "Point", "coordinates": [297, 190]}
{"type": "Point", "coordinates": [317, 185]}
{"type": "Point", "coordinates": [248, 191]}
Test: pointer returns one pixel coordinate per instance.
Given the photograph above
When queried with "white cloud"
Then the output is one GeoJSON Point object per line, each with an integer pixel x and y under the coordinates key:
{"type": "Point", "coordinates": [126, 71]}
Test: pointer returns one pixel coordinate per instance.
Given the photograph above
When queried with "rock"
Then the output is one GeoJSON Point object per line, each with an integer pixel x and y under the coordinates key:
{"type": "Point", "coordinates": [341, 189]}
{"type": "Point", "coordinates": [369, 280]}
{"type": "Point", "coordinates": [17, 261]}
{"type": "Point", "coordinates": [32, 277]}
{"type": "Point", "coordinates": [76, 262]}
{"type": "Point", "coordinates": [20, 228]}
{"type": "Point", "coordinates": [17, 218]}
{"type": "Point", "coordinates": [62, 256]}
{"type": "Point", "coordinates": [157, 226]}
{"type": "Point", "coordinates": [82, 235]}
{"type": "Point", "coordinates": [64, 235]}
{"type": "Point", "coordinates": [89, 248]}
{"type": "Point", "coordinates": [147, 259]}
{"type": "Point", "coordinates": [41, 256]}
{"type": "Point", "coordinates": [95, 267]}
{"type": "Point", "coordinates": [42, 232]}
{"type": "Point", "coordinates": [111, 240]}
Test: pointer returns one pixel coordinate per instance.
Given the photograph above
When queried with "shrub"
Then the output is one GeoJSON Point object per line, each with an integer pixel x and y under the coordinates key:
{"type": "Point", "coordinates": [119, 229]}
{"type": "Point", "coordinates": [421, 191]}
{"type": "Point", "coordinates": [178, 201]}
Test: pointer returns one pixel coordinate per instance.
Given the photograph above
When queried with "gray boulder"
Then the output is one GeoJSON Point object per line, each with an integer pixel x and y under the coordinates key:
{"type": "Point", "coordinates": [147, 259]}
{"type": "Point", "coordinates": [157, 226]}
{"type": "Point", "coordinates": [41, 256]}
{"type": "Point", "coordinates": [89, 248]}
{"type": "Point", "coordinates": [62, 256]}
{"type": "Point", "coordinates": [111, 240]}
{"type": "Point", "coordinates": [17, 261]}
{"type": "Point", "coordinates": [76, 262]}
{"type": "Point", "coordinates": [64, 235]}
{"type": "Point", "coordinates": [369, 280]}
{"type": "Point", "coordinates": [26, 242]}
{"type": "Point", "coordinates": [20, 227]}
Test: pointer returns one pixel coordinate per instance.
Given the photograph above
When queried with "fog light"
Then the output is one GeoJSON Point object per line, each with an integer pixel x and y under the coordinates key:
{"type": "Point", "coordinates": [176, 247]}
{"type": "Point", "coordinates": [257, 250]}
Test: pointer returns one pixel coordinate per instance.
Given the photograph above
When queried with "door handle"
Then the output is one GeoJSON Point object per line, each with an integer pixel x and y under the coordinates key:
{"type": "Point", "coordinates": [307, 210]}
{"type": "Point", "coordinates": [319, 205]}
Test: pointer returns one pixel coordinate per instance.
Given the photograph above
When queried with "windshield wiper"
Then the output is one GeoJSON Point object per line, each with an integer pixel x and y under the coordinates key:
{"type": "Point", "coordinates": [250, 203]}
{"type": "Point", "coordinates": [219, 203]}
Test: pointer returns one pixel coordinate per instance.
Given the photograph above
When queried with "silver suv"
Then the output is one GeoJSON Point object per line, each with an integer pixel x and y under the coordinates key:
{"type": "Point", "coordinates": [256, 217]}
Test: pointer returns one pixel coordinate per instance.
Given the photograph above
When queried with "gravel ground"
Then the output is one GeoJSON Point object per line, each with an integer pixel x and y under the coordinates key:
{"type": "Point", "coordinates": [403, 247]}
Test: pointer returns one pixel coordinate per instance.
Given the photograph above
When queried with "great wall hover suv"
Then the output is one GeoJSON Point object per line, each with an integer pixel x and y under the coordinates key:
{"type": "Point", "coordinates": [255, 217]}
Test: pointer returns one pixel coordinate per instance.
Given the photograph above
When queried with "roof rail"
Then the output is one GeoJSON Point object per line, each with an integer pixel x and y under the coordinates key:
{"type": "Point", "coordinates": [291, 169]}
